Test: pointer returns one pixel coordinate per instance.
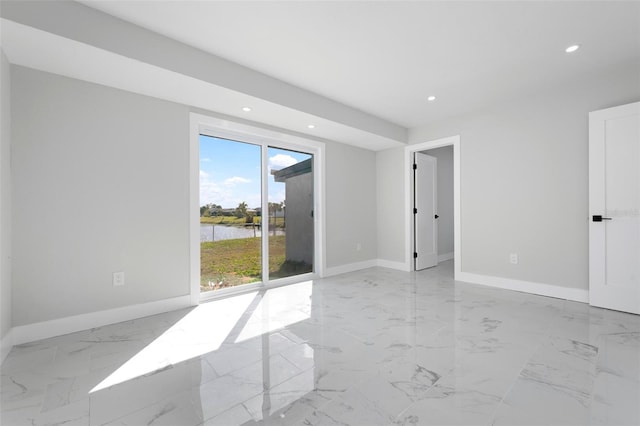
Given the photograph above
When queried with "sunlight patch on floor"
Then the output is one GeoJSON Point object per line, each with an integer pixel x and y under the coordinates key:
{"type": "Point", "coordinates": [199, 332]}
{"type": "Point", "coordinates": [279, 308]}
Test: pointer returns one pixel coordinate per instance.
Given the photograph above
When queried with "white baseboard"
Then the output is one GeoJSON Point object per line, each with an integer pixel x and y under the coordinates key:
{"type": "Point", "coordinates": [6, 345]}
{"type": "Point", "coordinates": [43, 330]}
{"type": "Point", "coordinates": [574, 294]}
{"type": "Point", "coordinates": [58, 327]}
{"type": "Point", "coordinates": [444, 257]}
{"type": "Point", "coordinates": [400, 266]}
{"type": "Point", "coordinates": [350, 267]}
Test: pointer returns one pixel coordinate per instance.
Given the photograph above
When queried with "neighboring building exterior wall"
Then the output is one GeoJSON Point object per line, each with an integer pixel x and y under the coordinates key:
{"type": "Point", "coordinates": [299, 218]}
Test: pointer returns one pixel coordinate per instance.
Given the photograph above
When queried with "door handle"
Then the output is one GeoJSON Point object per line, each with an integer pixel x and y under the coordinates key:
{"type": "Point", "coordinates": [599, 218]}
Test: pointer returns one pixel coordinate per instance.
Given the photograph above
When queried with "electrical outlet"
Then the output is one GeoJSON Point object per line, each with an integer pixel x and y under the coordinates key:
{"type": "Point", "coordinates": [358, 247]}
{"type": "Point", "coordinates": [513, 258]}
{"type": "Point", "coordinates": [118, 279]}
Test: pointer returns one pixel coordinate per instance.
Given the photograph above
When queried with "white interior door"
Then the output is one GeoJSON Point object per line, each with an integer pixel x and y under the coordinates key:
{"type": "Point", "coordinates": [614, 205]}
{"type": "Point", "coordinates": [424, 213]}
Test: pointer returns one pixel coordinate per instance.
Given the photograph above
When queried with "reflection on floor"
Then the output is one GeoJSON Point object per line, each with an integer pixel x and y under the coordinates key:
{"type": "Point", "coordinates": [375, 347]}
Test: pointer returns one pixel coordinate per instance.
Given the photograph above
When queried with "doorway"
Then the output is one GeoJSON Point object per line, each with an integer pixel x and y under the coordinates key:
{"type": "Point", "coordinates": [452, 249]}
{"type": "Point", "coordinates": [433, 207]}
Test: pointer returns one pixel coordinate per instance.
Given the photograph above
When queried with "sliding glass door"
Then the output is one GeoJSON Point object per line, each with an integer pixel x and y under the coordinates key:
{"type": "Point", "coordinates": [291, 224]}
{"type": "Point", "coordinates": [230, 207]}
{"type": "Point", "coordinates": [256, 213]}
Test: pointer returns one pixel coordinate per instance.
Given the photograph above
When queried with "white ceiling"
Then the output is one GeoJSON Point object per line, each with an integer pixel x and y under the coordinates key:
{"type": "Point", "coordinates": [386, 57]}
{"type": "Point", "coordinates": [41, 50]}
{"type": "Point", "coordinates": [383, 58]}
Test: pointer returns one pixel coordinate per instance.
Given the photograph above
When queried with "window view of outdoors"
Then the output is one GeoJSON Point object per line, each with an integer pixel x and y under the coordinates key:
{"type": "Point", "coordinates": [291, 210]}
{"type": "Point", "coordinates": [231, 217]}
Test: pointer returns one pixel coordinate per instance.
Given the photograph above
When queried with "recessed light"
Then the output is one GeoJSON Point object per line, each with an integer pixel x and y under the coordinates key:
{"type": "Point", "coordinates": [431, 98]}
{"type": "Point", "coordinates": [246, 109]}
{"type": "Point", "coordinates": [572, 49]}
{"type": "Point", "coordinates": [311, 126]}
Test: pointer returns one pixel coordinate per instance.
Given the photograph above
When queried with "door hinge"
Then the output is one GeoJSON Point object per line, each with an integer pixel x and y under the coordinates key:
{"type": "Point", "coordinates": [415, 166]}
{"type": "Point", "coordinates": [415, 211]}
{"type": "Point", "coordinates": [415, 255]}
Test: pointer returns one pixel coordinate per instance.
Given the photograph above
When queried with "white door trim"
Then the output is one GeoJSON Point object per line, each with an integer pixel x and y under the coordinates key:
{"type": "Point", "coordinates": [453, 141]}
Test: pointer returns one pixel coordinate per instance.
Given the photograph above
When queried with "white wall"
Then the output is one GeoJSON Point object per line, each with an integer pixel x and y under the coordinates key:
{"type": "Point", "coordinates": [523, 179]}
{"type": "Point", "coordinates": [100, 185]}
{"type": "Point", "coordinates": [390, 209]}
{"type": "Point", "coordinates": [5, 203]}
{"type": "Point", "coordinates": [445, 197]}
{"type": "Point", "coordinates": [350, 205]}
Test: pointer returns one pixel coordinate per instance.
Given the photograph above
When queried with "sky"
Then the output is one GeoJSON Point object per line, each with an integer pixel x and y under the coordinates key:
{"type": "Point", "coordinates": [230, 172]}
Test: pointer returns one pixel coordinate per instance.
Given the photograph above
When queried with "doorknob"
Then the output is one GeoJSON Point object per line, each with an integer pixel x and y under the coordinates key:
{"type": "Point", "coordinates": [599, 218]}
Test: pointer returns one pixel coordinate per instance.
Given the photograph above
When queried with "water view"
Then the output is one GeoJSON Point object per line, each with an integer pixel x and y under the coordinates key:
{"type": "Point", "coordinates": [210, 232]}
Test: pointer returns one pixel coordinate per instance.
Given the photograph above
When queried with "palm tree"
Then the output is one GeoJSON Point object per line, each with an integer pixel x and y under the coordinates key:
{"type": "Point", "coordinates": [241, 210]}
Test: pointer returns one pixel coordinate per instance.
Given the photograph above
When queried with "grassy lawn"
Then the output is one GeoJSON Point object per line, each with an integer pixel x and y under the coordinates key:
{"type": "Point", "coordinates": [229, 263]}
{"type": "Point", "coordinates": [226, 220]}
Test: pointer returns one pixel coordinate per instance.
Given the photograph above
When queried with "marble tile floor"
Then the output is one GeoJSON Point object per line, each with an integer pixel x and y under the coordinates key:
{"type": "Point", "coordinates": [374, 347]}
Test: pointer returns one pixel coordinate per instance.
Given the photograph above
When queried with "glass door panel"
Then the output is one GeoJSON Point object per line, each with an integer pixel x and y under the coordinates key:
{"type": "Point", "coordinates": [230, 213]}
{"type": "Point", "coordinates": [290, 216]}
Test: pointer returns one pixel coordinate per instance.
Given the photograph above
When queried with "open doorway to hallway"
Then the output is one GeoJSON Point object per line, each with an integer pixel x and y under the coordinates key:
{"type": "Point", "coordinates": [433, 207]}
{"type": "Point", "coordinates": [443, 241]}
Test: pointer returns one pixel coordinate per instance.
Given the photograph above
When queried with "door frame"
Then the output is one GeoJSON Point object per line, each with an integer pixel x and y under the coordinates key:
{"type": "Point", "coordinates": [453, 141]}
{"type": "Point", "coordinates": [216, 127]}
